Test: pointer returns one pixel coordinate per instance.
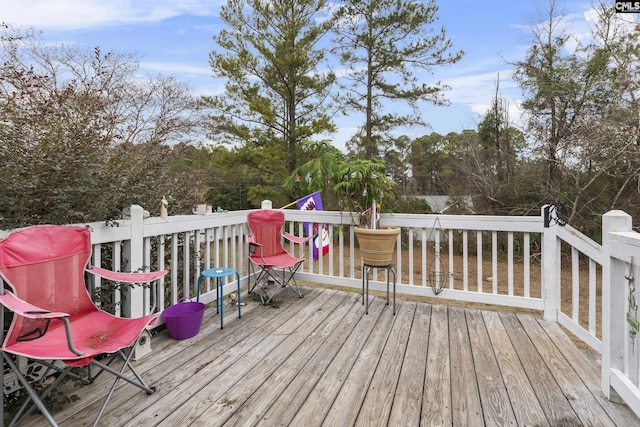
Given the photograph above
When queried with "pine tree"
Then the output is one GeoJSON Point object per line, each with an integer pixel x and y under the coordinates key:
{"type": "Point", "coordinates": [276, 92]}
{"type": "Point", "coordinates": [384, 44]}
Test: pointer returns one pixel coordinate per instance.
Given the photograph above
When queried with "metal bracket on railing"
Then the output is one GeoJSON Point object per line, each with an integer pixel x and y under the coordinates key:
{"type": "Point", "coordinates": [632, 317]}
{"type": "Point", "coordinates": [555, 213]}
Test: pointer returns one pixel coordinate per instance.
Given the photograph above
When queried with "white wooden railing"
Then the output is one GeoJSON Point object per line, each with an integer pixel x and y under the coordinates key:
{"type": "Point", "coordinates": [620, 351]}
{"type": "Point", "coordinates": [529, 262]}
{"type": "Point", "coordinates": [485, 259]}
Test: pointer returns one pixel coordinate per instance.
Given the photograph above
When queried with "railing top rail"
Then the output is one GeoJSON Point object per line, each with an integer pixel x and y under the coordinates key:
{"type": "Point", "coordinates": [624, 245]}
{"type": "Point", "coordinates": [581, 242]}
{"type": "Point", "coordinates": [461, 222]}
{"type": "Point", "coordinates": [117, 230]}
{"type": "Point", "coordinates": [533, 224]}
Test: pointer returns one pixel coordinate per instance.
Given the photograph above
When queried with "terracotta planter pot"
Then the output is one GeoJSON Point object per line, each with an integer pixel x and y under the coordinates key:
{"type": "Point", "coordinates": [377, 246]}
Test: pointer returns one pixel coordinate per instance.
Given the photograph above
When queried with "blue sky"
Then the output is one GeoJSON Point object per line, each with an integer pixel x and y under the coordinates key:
{"type": "Point", "coordinates": [175, 37]}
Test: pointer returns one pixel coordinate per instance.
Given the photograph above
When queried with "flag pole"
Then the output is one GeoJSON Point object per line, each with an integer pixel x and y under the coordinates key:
{"type": "Point", "coordinates": [290, 204]}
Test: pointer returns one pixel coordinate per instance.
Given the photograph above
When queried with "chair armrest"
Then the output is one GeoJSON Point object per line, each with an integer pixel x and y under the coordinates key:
{"type": "Point", "coordinates": [23, 308]}
{"type": "Point", "coordinates": [254, 246]}
{"type": "Point", "coordinates": [127, 277]}
{"type": "Point", "coordinates": [132, 278]}
{"type": "Point", "coordinates": [295, 239]}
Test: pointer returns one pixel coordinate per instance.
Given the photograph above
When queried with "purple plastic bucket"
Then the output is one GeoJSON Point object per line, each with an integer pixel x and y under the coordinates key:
{"type": "Point", "coordinates": [183, 320]}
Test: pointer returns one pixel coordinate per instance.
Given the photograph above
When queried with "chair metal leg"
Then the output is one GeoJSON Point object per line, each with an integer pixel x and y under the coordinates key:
{"type": "Point", "coordinates": [63, 374]}
{"type": "Point", "coordinates": [239, 297]}
{"type": "Point", "coordinates": [120, 375]}
{"type": "Point", "coordinates": [32, 394]}
{"type": "Point", "coordinates": [363, 274]}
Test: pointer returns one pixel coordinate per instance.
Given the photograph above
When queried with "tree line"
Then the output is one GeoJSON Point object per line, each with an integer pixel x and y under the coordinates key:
{"type": "Point", "coordinates": [82, 135]}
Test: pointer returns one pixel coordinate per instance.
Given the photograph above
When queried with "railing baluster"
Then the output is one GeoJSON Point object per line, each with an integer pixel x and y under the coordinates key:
{"type": "Point", "coordinates": [465, 260]}
{"type": "Point", "coordinates": [592, 297]}
{"type": "Point", "coordinates": [331, 250]}
{"type": "Point", "coordinates": [479, 259]}
{"type": "Point", "coordinates": [575, 285]}
{"type": "Point", "coordinates": [410, 256]}
{"type": "Point", "coordinates": [146, 262]}
{"type": "Point", "coordinates": [186, 262]}
{"type": "Point", "coordinates": [527, 265]}
{"type": "Point", "coordinates": [174, 271]}
{"type": "Point", "coordinates": [424, 257]}
{"type": "Point", "coordinates": [341, 251]}
{"type": "Point", "coordinates": [117, 266]}
{"type": "Point", "coordinates": [96, 259]}
{"type": "Point", "coordinates": [352, 250]}
{"type": "Point", "coordinates": [161, 266]}
{"type": "Point", "coordinates": [494, 262]}
{"type": "Point", "coordinates": [451, 276]}
{"type": "Point", "coordinates": [510, 262]}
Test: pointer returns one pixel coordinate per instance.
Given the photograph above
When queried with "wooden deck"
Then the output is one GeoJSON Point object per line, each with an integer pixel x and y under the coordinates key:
{"type": "Point", "coordinates": [320, 360]}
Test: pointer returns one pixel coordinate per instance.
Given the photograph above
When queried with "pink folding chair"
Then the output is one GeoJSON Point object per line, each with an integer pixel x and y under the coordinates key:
{"type": "Point", "coordinates": [54, 319]}
{"type": "Point", "coordinates": [268, 260]}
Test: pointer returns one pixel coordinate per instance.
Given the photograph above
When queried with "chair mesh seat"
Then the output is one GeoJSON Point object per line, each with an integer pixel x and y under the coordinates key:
{"type": "Point", "coordinates": [43, 269]}
{"type": "Point", "coordinates": [268, 260]}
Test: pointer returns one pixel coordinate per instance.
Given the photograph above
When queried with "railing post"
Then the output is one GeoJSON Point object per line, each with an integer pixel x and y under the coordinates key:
{"type": "Point", "coordinates": [133, 253]}
{"type": "Point", "coordinates": [613, 300]}
{"type": "Point", "coordinates": [550, 267]}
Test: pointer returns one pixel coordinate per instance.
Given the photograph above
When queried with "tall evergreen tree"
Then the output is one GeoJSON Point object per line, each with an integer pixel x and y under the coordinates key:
{"type": "Point", "coordinates": [580, 99]}
{"type": "Point", "coordinates": [384, 44]}
{"type": "Point", "coordinates": [275, 93]}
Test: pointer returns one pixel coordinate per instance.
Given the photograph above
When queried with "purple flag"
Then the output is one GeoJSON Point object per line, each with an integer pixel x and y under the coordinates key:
{"type": "Point", "coordinates": [313, 202]}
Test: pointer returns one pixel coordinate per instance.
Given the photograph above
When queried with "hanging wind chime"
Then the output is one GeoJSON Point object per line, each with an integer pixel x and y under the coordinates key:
{"type": "Point", "coordinates": [437, 276]}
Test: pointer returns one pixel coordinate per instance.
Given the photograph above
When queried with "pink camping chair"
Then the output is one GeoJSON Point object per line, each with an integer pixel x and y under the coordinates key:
{"type": "Point", "coordinates": [54, 319]}
{"type": "Point", "coordinates": [268, 260]}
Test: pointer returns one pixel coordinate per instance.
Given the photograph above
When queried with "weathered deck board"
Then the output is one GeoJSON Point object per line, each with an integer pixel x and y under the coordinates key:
{"type": "Point", "coordinates": [466, 405]}
{"type": "Point", "coordinates": [287, 404]}
{"type": "Point", "coordinates": [288, 358]}
{"type": "Point", "coordinates": [378, 401]}
{"type": "Point", "coordinates": [320, 360]}
{"type": "Point", "coordinates": [586, 369]}
{"type": "Point", "coordinates": [286, 381]}
{"type": "Point", "coordinates": [496, 407]}
{"type": "Point", "coordinates": [200, 392]}
{"type": "Point", "coordinates": [554, 403]}
{"type": "Point", "coordinates": [526, 406]}
{"type": "Point", "coordinates": [406, 406]}
{"type": "Point", "coordinates": [436, 403]}
{"type": "Point", "coordinates": [582, 401]}
{"type": "Point", "coordinates": [345, 381]}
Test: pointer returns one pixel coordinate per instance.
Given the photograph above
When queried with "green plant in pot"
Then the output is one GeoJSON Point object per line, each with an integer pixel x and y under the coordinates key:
{"type": "Point", "coordinates": [359, 187]}
{"type": "Point", "coordinates": [362, 187]}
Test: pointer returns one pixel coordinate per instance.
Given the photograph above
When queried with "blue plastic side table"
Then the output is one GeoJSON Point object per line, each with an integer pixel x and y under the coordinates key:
{"type": "Point", "coordinates": [218, 273]}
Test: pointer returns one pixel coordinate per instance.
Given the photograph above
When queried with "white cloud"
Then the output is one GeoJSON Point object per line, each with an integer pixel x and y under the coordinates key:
{"type": "Point", "coordinates": [342, 135]}
{"type": "Point", "coordinates": [479, 89]}
{"type": "Point", "coordinates": [476, 92]}
{"type": "Point", "coordinates": [480, 109]}
{"type": "Point", "coordinates": [78, 14]}
{"type": "Point", "coordinates": [176, 68]}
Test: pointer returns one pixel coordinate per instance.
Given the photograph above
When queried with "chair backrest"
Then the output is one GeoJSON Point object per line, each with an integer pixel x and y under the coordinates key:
{"type": "Point", "coordinates": [266, 226]}
{"type": "Point", "coordinates": [44, 265]}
